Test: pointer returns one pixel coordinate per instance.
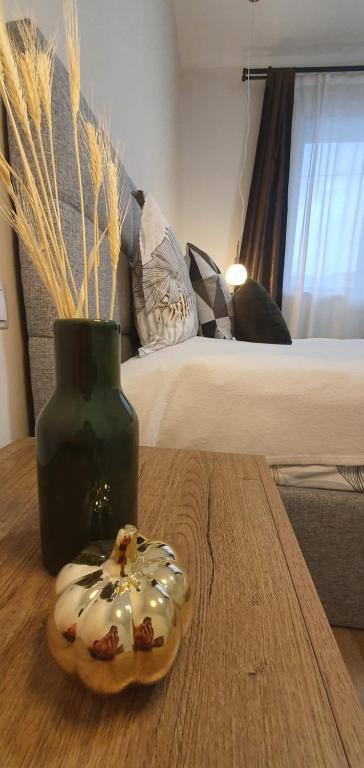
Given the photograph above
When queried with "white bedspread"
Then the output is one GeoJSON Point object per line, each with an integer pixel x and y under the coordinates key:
{"type": "Point", "coordinates": [299, 404]}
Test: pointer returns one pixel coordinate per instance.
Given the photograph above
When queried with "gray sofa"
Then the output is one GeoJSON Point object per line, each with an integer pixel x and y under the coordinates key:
{"type": "Point", "coordinates": [329, 524]}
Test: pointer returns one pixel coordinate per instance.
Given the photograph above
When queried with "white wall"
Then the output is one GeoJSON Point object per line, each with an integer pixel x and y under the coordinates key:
{"type": "Point", "coordinates": [212, 124]}
{"type": "Point", "coordinates": [214, 40]}
{"type": "Point", "coordinates": [129, 68]}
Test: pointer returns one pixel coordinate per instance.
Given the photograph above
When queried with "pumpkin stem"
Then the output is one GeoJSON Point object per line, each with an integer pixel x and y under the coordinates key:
{"type": "Point", "coordinates": [125, 547]}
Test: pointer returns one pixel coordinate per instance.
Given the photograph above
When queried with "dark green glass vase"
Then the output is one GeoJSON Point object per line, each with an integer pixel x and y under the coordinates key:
{"type": "Point", "coordinates": [87, 444]}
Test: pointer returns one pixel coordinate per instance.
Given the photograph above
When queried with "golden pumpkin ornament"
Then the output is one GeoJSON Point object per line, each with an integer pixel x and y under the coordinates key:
{"type": "Point", "coordinates": [120, 613]}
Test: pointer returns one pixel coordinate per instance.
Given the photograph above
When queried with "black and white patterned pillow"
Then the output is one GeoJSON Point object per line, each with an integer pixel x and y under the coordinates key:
{"type": "Point", "coordinates": [164, 300]}
{"type": "Point", "coordinates": [213, 299]}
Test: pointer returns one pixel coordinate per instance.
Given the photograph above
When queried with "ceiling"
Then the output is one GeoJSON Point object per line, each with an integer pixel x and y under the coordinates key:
{"type": "Point", "coordinates": [216, 33]}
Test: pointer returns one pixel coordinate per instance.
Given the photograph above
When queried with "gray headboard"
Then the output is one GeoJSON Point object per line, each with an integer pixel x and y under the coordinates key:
{"type": "Point", "coordinates": [39, 310]}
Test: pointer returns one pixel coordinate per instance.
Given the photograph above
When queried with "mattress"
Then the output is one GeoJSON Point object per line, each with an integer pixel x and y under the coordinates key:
{"type": "Point", "coordinates": [296, 405]}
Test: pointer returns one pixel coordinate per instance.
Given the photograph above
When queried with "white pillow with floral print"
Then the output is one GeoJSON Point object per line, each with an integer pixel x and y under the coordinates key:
{"type": "Point", "coordinates": [164, 300]}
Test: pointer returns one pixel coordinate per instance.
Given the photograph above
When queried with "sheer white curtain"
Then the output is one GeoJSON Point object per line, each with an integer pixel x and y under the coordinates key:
{"type": "Point", "coordinates": [323, 286]}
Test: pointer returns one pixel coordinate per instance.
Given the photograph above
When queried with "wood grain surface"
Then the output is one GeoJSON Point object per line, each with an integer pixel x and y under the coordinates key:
{"type": "Point", "coordinates": [259, 680]}
{"type": "Point", "coordinates": [351, 645]}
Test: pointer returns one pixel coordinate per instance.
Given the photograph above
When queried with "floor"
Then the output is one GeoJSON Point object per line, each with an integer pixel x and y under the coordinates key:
{"type": "Point", "coordinates": [351, 644]}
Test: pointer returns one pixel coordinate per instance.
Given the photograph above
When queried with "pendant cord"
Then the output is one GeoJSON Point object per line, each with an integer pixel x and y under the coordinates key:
{"type": "Point", "coordinates": [248, 124]}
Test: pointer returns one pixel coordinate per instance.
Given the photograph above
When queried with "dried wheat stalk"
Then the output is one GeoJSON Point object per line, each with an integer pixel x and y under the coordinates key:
{"type": "Point", "coordinates": [94, 147]}
{"type": "Point", "coordinates": [73, 58]}
{"type": "Point", "coordinates": [114, 223]}
{"type": "Point", "coordinates": [117, 203]}
{"type": "Point", "coordinates": [26, 88]}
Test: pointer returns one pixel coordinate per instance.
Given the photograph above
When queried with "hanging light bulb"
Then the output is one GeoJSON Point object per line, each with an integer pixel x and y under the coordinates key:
{"type": "Point", "coordinates": [236, 274]}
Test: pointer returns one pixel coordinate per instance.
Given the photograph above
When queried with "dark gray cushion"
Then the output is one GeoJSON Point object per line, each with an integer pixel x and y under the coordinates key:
{"type": "Point", "coordinates": [257, 317]}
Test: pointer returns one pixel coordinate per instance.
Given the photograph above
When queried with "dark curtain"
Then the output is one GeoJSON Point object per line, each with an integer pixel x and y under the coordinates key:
{"type": "Point", "coordinates": [264, 237]}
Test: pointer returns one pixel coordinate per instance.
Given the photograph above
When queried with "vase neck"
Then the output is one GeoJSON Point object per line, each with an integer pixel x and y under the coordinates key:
{"type": "Point", "coordinates": [87, 355]}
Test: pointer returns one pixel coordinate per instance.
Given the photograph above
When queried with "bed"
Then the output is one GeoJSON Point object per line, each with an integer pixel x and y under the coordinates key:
{"type": "Point", "coordinates": [300, 406]}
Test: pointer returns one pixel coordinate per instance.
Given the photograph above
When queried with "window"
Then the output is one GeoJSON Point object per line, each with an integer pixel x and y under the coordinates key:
{"type": "Point", "coordinates": [323, 288]}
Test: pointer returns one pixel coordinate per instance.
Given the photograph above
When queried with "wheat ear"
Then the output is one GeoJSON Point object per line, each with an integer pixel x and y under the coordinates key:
{"type": "Point", "coordinates": [73, 57]}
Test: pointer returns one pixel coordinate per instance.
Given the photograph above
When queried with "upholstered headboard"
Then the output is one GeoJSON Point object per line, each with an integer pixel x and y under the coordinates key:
{"type": "Point", "coordinates": [39, 310]}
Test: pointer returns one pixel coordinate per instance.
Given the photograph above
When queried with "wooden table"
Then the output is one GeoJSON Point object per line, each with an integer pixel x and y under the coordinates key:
{"type": "Point", "coordinates": [259, 681]}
